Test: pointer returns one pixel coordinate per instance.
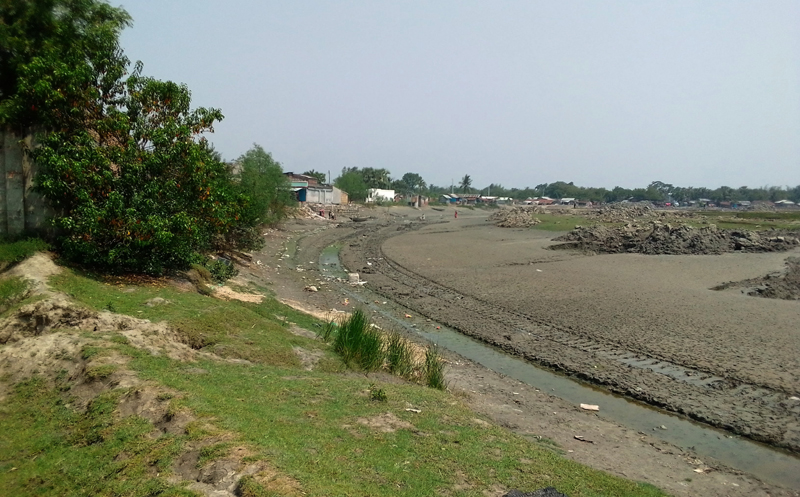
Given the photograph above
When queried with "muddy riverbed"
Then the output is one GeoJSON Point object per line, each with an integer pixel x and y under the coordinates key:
{"type": "Point", "coordinates": [648, 327]}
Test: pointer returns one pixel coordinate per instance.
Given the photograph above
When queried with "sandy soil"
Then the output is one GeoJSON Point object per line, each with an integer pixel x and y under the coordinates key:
{"type": "Point", "coordinates": [491, 283]}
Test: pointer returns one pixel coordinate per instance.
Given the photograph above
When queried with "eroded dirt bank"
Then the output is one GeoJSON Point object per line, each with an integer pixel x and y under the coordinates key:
{"type": "Point", "coordinates": [289, 264]}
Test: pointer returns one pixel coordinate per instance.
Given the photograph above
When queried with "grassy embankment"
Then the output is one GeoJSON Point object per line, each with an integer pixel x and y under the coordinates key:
{"type": "Point", "coordinates": [318, 429]}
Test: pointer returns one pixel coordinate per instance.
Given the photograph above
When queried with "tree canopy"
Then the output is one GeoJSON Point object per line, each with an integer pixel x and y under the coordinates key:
{"type": "Point", "coordinates": [123, 161]}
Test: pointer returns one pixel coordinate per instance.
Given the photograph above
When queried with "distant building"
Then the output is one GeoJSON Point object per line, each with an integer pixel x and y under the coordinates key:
{"type": "Point", "coordinates": [301, 180]}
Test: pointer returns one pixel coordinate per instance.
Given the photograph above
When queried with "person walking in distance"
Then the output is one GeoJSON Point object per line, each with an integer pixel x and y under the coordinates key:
{"type": "Point", "coordinates": [456, 214]}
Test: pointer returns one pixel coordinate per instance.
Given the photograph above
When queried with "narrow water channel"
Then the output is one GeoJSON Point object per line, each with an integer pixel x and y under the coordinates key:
{"type": "Point", "coordinates": [766, 463]}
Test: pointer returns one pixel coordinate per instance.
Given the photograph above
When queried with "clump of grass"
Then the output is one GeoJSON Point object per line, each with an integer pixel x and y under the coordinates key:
{"type": "Point", "coordinates": [328, 331]}
{"type": "Point", "coordinates": [434, 369]}
{"type": "Point", "coordinates": [358, 342]}
{"type": "Point", "coordinates": [249, 487]}
{"type": "Point", "coordinates": [398, 355]}
{"type": "Point", "coordinates": [97, 373]}
{"type": "Point", "coordinates": [89, 351]}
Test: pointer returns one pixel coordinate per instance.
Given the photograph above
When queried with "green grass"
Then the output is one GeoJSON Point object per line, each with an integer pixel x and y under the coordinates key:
{"type": "Point", "coordinates": [311, 426]}
{"type": "Point", "coordinates": [434, 369]}
{"type": "Point", "coordinates": [51, 450]}
{"type": "Point", "coordinates": [230, 329]}
{"type": "Point", "coordinates": [17, 251]}
{"type": "Point", "coordinates": [307, 425]}
{"type": "Point", "coordinates": [12, 290]}
{"type": "Point", "coordinates": [399, 358]}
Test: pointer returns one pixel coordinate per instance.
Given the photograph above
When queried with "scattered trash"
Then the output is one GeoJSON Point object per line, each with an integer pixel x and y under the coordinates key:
{"type": "Point", "coordinates": [311, 288]}
{"type": "Point", "coordinates": [590, 407]}
{"type": "Point", "coordinates": [346, 302]}
{"type": "Point", "coordinates": [663, 427]}
{"type": "Point", "coordinates": [538, 270]}
{"type": "Point", "coordinates": [699, 470]}
{"type": "Point", "coordinates": [580, 438]}
{"type": "Point", "coordinates": [353, 277]}
{"type": "Point", "coordinates": [794, 398]}
{"type": "Point", "coordinates": [408, 315]}
{"type": "Point", "coordinates": [414, 410]}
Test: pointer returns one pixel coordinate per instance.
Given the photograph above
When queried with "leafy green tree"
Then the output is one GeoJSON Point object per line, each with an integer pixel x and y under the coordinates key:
{"type": "Point", "coordinates": [466, 183]}
{"type": "Point", "coordinates": [352, 182]}
{"type": "Point", "coordinates": [60, 61]}
{"type": "Point", "coordinates": [267, 188]}
{"type": "Point", "coordinates": [321, 178]}
{"type": "Point", "coordinates": [411, 183]}
{"type": "Point", "coordinates": [376, 178]}
{"type": "Point", "coordinates": [134, 186]}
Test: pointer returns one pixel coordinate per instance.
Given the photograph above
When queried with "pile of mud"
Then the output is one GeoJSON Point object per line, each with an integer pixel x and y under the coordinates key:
{"type": "Point", "coordinates": [626, 213]}
{"type": "Point", "coordinates": [659, 238]}
{"type": "Point", "coordinates": [516, 217]}
{"type": "Point", "coordinates": [784, 285]}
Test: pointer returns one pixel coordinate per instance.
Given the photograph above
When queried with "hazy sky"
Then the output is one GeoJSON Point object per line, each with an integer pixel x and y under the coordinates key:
{"type": "Point", "coordinates": [602, 93]}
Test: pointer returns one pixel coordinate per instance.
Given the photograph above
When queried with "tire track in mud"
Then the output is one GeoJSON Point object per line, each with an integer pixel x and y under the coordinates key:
{"type": "Point", "coordinates": [755, 411]}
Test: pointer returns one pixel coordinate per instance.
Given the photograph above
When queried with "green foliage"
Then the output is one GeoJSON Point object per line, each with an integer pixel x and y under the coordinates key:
{"type": "Point", "coordinates": [410, 183]}
{"type": "Point", "coordinates": [267, 188]}
{"type": "Point", "coordinates": [221, 270]}
{"type": "Point", "coordinates": [434, 369]}
{"type": "Point", "coordinates": [352, 182]}
{"type": "Point", "coordinates": [144, 196]}
{"type": "Point", "coordinates": [358, 342]}
{"type": "Point", "coordinates": [466, 183]}
{"type": "Point", "coordinates": [377, 394]}
{"type": "Point", "coordinates": [59, 60]}
{"type": "Point", "coordinates": [398, 355]}
{"type": "Point", "coordinates": [134, 186]}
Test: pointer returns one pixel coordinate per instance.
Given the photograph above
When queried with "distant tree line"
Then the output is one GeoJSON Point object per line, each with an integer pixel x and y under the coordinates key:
{"type": "Point", "coordinates": [356, 181]}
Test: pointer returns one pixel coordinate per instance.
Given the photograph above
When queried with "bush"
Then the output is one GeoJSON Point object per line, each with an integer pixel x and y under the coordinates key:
{"type": "Point", "coordinates": [221, 270]}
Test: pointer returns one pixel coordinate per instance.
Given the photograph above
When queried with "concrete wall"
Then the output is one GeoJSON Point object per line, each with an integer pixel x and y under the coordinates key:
{"type": "Point", "coordinates": [20, 209]}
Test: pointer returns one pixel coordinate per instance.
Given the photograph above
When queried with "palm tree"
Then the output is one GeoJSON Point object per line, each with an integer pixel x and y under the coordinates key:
{"type": "Point", "coordinates": [466, 183]}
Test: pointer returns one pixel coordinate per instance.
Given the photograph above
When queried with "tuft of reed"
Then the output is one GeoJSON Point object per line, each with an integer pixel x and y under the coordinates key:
{"type": "Point", "coordinates": [434, 369]}
{"type": "Point", "coordinates": [358, 343]}
{"type": "Point", "coordinates": [328, 331]}
{"type": "Point", "coordinates": [398, 356]}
